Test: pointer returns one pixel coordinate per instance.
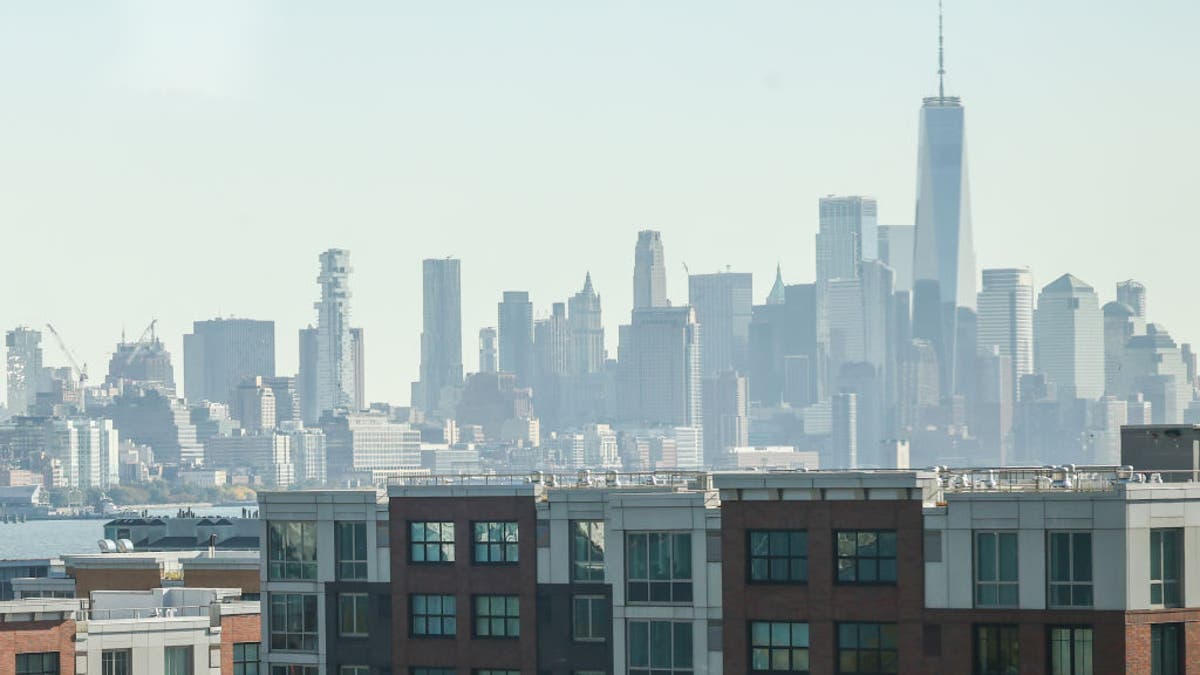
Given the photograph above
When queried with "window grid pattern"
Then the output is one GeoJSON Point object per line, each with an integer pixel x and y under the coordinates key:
{"type": "Point", "coordinates": [432, 671]}
{"type": "Point", "coordinates": [589, 618]}
{"type": "Point", "coordinates": [778, 556]}
{"type": "Point", "coordinates": [996, 569]}
{"type": "Point", "coordinates": [1070, 650]}
{"type": "Point", "coordinates": [866, 556]}
{"type": "Point", "coordinates": [294, 670]}
{"type": "Point", "coordinates": [294, 622]}
{"type": "Point", "coordinates": [245, 658]}
{"type": "Point", "coordinates": [351, 550]}
{"type": "Point", "coordinates": [1070, 569]}
{"type": "Point", "coordinates": [587, 550]}
{"type": "Point", "coordinates": [292, 550]}
{"type": "Point", "coordinates": [116, 662]}
{"type": "Point", "coordinates": [41, 663]}
{"type": "Point", "coordinates": [778, 647]}
{"type": "Point", "coordinates": [867, 648]}
{"type": "Point", "coordinates": [497, 616]}
{"type": "Point", "coordinates": [660, 648]}
{"type": "Point", "coordinates": [354, 670]}
{"type": "Point", "coordinates": [433, 615]}
{"type": "Point", "coordinates": [997, 650]}
{"type": "Point", "coordinates": [496, 542]}
{"type": "Point", "coordinates": [177, 661]}
{"type": "Point", "coordinates": [352, 613]}
{"type": "Point", "coordinates": [430, 542]}
{"type": "Point", "coordinates": [1165, 565]}
{"type": "Point", "coordinates": [1166, 649]}
{"type": "Point", "coordinates": [658, 567]}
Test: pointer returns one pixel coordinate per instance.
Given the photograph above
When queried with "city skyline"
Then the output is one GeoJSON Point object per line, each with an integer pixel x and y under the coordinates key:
{"type": "Point", "coordinates": [749, 229]}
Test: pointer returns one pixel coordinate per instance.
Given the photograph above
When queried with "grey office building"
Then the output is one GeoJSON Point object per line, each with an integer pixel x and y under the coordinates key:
{"type": "Point", "coordinates": [649, 271]}
{"type": "Point", "coordinates": [441, 331]}
{"type": "Point", "coordinates": [219, 353]}
{"type": "Point", "coordinates": [723, 303]}
{"type": "Point", "coordinates": [515, 322]}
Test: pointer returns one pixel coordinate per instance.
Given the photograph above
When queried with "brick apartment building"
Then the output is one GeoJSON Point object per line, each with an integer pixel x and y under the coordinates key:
{"type": "Point", "coordinates": [1071, 570]}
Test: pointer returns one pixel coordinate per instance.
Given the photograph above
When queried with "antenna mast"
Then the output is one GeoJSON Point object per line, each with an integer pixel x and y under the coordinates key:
{"type": "Point", "coordinates": [941, 63]}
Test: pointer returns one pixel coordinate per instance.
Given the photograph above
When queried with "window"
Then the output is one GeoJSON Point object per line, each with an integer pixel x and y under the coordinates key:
{"type": "Point", "coordinates": [116, 662]}
{"type": "Point", "coordinates": [294, 621]}
{"type": "Point", "coordinates": [590, 618]}
{"type": "Point", "coordinates": [495, 671]}
{"type": "Point", "coordinates": [177, 661]}
{"type": "Point", "coordinates": [43, 663]}
{"type": "Point", "coordinates": [1166, 649]}
{"type": "Point", "coordinates": [1071, 569]}
{"type": "Point", "coordinates": [433, 615]}
{"type": "Point", "coordinates": [351, 550]}
{"type": "Point", "coordinates": [778, 647]}
{"type": "Point", "coordinates": [658, 567]}
{"type": "Point", "coordinates": [996, 650]}
{"type": "Point", "coordinates": [996, 569]}
{"type": "Point", "coordinates": [1165, 564]}
{"type": "Point", "coordinates": [495, 542]}
{"type": "Point", "coordinates": [291, 550]}
{"type": "Point", "coordinates": [497, 616]}
{"type": "Point", "coordinates": [1070, 650]}
{"type": "Point", "coordinates": [866, 557]}
{"type": "Point", "coordinates": [294, 670]}
{"type": "Point", "coordinates": [432, 671]}
{"type": "Point", "coordinates": [352, 610]}
{"type": "Point", "coordinates": [245, 658]}
{"type": "Point", "coordinates": [587, 550]}
{"type": "Point", "coordinates": [778, 556]}
{"type": "Point", "coordinates": [354, 670]}
{"type": "Point", "coordinates": [430, 542]}
{"type": "Point", "coordinates": [660, 648]}
{"type": "Point", "coordinates": [867, 648]}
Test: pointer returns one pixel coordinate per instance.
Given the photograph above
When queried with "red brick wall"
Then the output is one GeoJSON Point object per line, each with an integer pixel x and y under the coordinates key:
{"type": "Point", "coordinates": [37, 636]}
{"type": "Point", "coordinates": [821, 602]}
{"type": "Point", "coordinates": [464, 580]}
{"type": "Point", "coordinates": [1137, 638]}
{"type": "Point", "coordinates": [88, 580]}
{"type": "Point", "coordinates": [247, 580]}
{"type": "Point", "coordinates": [237, 628]}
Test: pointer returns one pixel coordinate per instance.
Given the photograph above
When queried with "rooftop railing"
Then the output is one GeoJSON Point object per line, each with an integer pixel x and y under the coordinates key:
{"type": "Point", "coordinates": [580, 479]}
{"type": "Point", "coordinates": [1064, 478]}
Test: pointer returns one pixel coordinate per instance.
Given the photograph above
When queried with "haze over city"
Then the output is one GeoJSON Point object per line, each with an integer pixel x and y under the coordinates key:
{"type": "Point", "coordinates": [185, 163]}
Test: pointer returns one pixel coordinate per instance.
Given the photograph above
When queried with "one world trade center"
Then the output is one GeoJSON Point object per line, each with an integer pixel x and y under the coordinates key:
{"type": "Point", "coordinates": [944, 255]}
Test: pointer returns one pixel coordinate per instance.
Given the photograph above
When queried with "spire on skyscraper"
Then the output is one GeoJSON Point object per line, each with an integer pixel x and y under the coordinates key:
{"type": "Point", "coordinates": [941, 61]}
{"type": "Point", "coordinates": [587, 285]}
{"type": "Point", "coordinates": [776, 296]}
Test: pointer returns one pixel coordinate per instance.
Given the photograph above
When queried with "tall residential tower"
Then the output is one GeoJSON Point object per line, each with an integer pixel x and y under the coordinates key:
{"type": "Point", "coordinates": [441, 331]}
{"type": "Point", "coordinates": [335, 356]}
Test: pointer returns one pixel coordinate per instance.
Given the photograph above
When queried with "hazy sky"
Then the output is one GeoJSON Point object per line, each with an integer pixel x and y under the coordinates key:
{"type": "Point", "coordinates": [181, 162]}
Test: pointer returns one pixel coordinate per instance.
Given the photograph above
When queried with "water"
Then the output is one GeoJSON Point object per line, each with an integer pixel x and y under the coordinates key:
{"type": "Point", "coordinates": [53, 538]}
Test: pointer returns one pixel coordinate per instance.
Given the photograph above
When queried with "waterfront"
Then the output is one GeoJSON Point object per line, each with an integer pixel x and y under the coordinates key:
{"type": "Point", "coordinates": [51, 538]}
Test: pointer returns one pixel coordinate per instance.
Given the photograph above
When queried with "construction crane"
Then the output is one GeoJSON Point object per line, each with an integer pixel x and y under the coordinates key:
{"type": "Point", "coordinates": [80, 371]}
{"type": "Point", "coordinates": [142, 342]}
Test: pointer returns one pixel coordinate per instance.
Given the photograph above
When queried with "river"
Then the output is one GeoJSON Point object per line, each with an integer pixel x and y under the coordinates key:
{"type": "Point", "coordinates": [52, 538]}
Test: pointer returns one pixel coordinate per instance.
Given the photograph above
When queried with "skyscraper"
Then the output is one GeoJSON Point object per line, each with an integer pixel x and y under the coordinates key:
{"type": "Point", "coordinates": [649, 271]}
{"type": "Point", "coordinates": [1153, 365]}
{"type": "Point", "coordinates": [515, 328]}
{"type": "Point", "coordinates": [723, 304]}
{"type": "Point", "coordinates": [487, 350]}
{"type": "Point", "coordinates": [1068, 334]}
{"type": "Point", "coordinates": [358, 352]}
{"type": "Point", "coordinates": [306, 377]}
{"type": "Point", "coordinates": [1119, 327]}
{"type": "Point", "coordinates": [551, 361]}
{"type": "Point", "coordinates": [1006, 319]}
{"type": "Point", "coordinates": [219, 353]}
{"type": "Point", "coordinates": [1133, 293]}
{"type": "Point", "coordinates": [660, 367]}
{"type": "Point", "coordinates": [441, 331]}
{"type": "Point", "coordinates": [848, 234]}
{"type": "Point", "coordinates": [778, 294]}
{"type": "Point", "coordinates": [335, 355]}
{"type": "Point", "coordinates": [726, 421]}
{"type": "Point", "coordinates": [896, 251]}
{"type": "Point", "coordinates": [944, 255]}
{"type": "Point", "coordinates": [24, 347]}
{"type": "Point", "coordinates": [587, 331]}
